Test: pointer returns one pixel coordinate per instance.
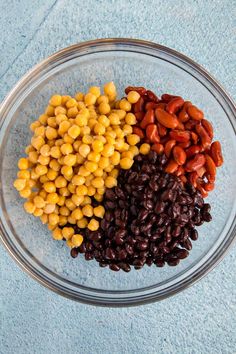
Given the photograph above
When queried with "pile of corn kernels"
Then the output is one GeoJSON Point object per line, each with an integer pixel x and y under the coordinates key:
{"type": "Point", "coordinates": [76, 151]}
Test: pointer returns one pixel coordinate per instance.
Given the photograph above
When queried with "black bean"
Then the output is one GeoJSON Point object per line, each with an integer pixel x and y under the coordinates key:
{"type": "Point", "coordinates": [74, 252]}
{"type": "Point", "coordinates": [194, 235]}
{"type": "Point", "coordinates": [114, 267]}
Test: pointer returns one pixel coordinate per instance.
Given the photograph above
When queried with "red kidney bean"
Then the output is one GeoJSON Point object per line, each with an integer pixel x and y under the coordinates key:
{"type": "Point", "coordinates": [139, 115]}
{"type": "Point", "coordinates": [169, 146]}
{"type": "Point", "coordinates": [180, 136]}
{"type": "Point", "coordinates": [210, 168]}
{"type": "Point", "coordinates": [166, 97]}
{"type": "Point", "coordinates": [216, 153]}
{"type": "Point", "coordinates": [152, 133]}
{"type": "Point", "coordinates": [138, 132]}
{"type": "Point", "coordinates": [179, 155]}
{"type": "Point", "coordinates": [149, 118]}
{"type": "Point", "coordinates": [195, 113]}
{"type": "Point", "coordinates": [158, 148]}
{"type": "Point", "coordinates": [161, 129]}
{"type": "Point", "coordinates": [192, 150]}
{"type": "Point", "coordinates": [138, 106]}
{"type": "Point", "coordinates": [141, 90]}
{"type": "Point", "coordinates": [205, 138]}
{"type": "Point", "coordinates": [197, 162]}
{"type": "Point", "coordinates": [166, 119]}
{"type": "Point", "coordinates": [174, 105]}
{"type": "Point", "coordinates": [151, 96]}
{"type": "Point", "coordinates": [208, 127]}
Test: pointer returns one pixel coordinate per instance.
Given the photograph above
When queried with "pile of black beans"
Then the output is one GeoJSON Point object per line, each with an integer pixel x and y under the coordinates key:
{"type": "Point", "coordinates": [150, 219]}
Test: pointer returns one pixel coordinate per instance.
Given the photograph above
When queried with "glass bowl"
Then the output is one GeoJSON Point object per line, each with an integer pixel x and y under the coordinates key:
{"type": "Point", "coordinates": [126, 62]}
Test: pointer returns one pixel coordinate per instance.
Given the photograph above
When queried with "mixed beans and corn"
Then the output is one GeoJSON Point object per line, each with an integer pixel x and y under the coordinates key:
{"type": "Point", "coordinates": [121, 181]}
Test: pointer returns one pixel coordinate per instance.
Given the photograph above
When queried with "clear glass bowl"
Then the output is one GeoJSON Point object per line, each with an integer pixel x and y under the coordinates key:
{"type": "Point", "coordinates": [126, 62]}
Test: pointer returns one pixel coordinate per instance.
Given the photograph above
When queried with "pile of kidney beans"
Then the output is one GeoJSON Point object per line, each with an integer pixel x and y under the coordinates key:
{"type": "Point", "coordinates": [150, 218]}
{"type": "Point", "coordinates": [178, 128]}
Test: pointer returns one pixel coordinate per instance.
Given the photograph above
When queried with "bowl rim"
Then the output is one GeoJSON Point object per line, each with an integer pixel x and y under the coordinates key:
{"type": "Point", "coordinates": [198, 274]}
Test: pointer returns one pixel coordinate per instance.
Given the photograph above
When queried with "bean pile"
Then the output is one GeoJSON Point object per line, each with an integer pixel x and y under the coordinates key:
{"type": "Point", "coordinates": [179, 129]}
{"type": "Point", "coordinates": [149, 218]}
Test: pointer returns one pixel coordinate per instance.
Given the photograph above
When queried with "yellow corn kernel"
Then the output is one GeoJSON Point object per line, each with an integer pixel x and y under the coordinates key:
{"type": "Point", "coordinates": [92, 122]}
{"type": "Point", "coordinates": [97, 182]}
{"type": "Point", "coordinates": [91, 166]}
{"type": "Point", "coordinates": [104, 108]}
{"type": "Point", "coordinates": [29, 207]}
{"type": "Point", "coordinates": [31, 183]}
{"type": "Point", "coordinates": [133, 97]}
{"type": "Point", "coordinates": [77, 199]}
{"type": "Point", "coordinates": [119, 144]}
{"type": "Point", "coordinates": [51, 143]}
{"type": "Point", "coordinates": [49, 187]}
{"type": "Point", "coordinates": [103, 162]}
{"type": "Point", "coordinates": [98, 197]}
{"type": "Point", "coordinates": [52, 198]}
{"type": "Point", "coordinates": [82, 223]}
{"type": "Point", "coordinates": [79, 96]}
{"type": "Point", "coordinates": [87, 210]}
{"type": "Point", "coordinates": [61, 200]}
{"type": "Point", "coordinates": [64, 211]}
{"type": "Point", "coordinates": [76, 145]}
{"type": "Point", "coordinates": [67, 171]}
{"type": "Point", "coordinates": [43, 119]}
{"type": "Point", "coordinates": [63, 127]}
{"type": "Point", "coordinates": [102, 99]}
{"type": "Point", "coordinates": [144, 149]}
{"type": "Point", "coordinates": [51, 133]}
{"type": "Point", "coordinates": [126, 163]}
{"type": "Point", "coordinates": [43, 160]}
{"type": "Point", "coordinates": [45, 150]}
{"type": "Point", "coordinates": [104, 120]}
{"type": "Point", "coordinates": [72, 112]}
{"type": "Point", "coordinates": [70, 204]}
{"type": "Point", "coordinates": [53, 219]}
{"type": "Point", "coordinates": [98, 172]}
{"type": "Point", "coordinates": [57, 234]}
{"type": "Point", "coordinates": [74, 131]}
{"type": "Point", "coordinates": [125, 147]}
{"type": "Point", "coordinates": [67, 232]}
{"type": "Point", "coordinates": [99, 211]}
{"type": "Point", "coordinates": [121, 113]}
{"type": "Point", "coordinates": [110, 182]}
{"type": "Point", "coordinates": [108, 150]}
{"type": "Point", "coordinates": [85, 131]}
{"type": "Point", "coordinates": [24, 174]}
{"type": "Point", "coordinates": [40, 131]}
{"type": "Point", "coordinates": [60, 182]}
{"type": "Point", "coordinates": [77, 214]}
{"type": "Point", "coordinates": [66, 149]}
{"type": "Point", "coordinates": [134, 150]}
{"type": "Point", "coordinates": [59, 142]}
{"type": "Point", "coordinates": [71, 188]}
{"type": "Point", "coordinates": [99, 129]}
{"type": "Point", "coordinates": [39, 202]}
{"type": "Point", "coordinates": [97, 146]}
{"type": "Point", "coordinates": [77, 240]}
{"type": "Point", "coordinates": [91, 191]}
{"type": "Point", "coordinates": [51, 123]}
{"type": "Point", "coordinates": [43, 179]}
{"type": "Point", "coordinates": [88, 180]}
{"type": "Point", "coordinates": [55, 152]}
{"type": "Point", "coordinates": [89, 99]}
{"type": "Point", "coordinates": [127, 129]}
{"type": "Point", "coordinates": [133, 139]}
{"type": "Point", "coordinates": [44, 218]}
{"type": "Point", "coordinates": [71, 220]}
{"type": "Point", "coordinates": [43, 194]}
{"type": "Point", "coordinates": [61, 118]}
{"type": "Point", "coordinates": [71, 103]}
{"type": "Point", "coordinates": [100, 138]}
{"type": "Point", "coordinates": [84, 150]}
{"type": "Point", "coordinates": [101, 190]}
{"type": "Point", "coordinates": [93, 225]}
{"type": "Point", "coordinates": [70, 160]}
{"type": "Point", "coordinates": [125, 105]}
{"type": "Point", "coordinates": [28, 149]}
{"type": "Point", "coordinates": [41, 170]}
{"type": "Point", "coordinates": [55, 166]}
{"type": "Point", "coordinates": [87, 139]}
{"type": "Point", "coordinates": [128, 154]}
{"type": "Point", "coordinates": [95, 90]}
{"type": "Point", "coordinates": [109, 168]}
{"type": "Point", "coordinates": [110, 140]}
{"type": "Point", "coordinates": [52, 175]}
{"type": "Point", "coordinates": [115, 158]}
{"type": "Point", "coordinates": [78, 180]}
{"type": "Point", "coordinates": [114, 173]}
{"type": "Point", "coordinates": [34, 125]}
{"type": "Point", "coordinates": [55, 100]}
{"type": "Point", "coordinates": [81, 190]}
{"type": "Point", "coordinates": [49, 111]}
{"type": "Point", "coordinates": [69, 243]}
{"type": "Point", "coordinates": [59, 110]}
{"type": "Point", "coordinates": [25, 193]}
{"type": "Point", "coordinates": [114, 119]}
{"type": "Point", "coordinates": [109, 88]}
{"type": "Point", "coordinates": [81, 120]}
{"type": "Point", "coordinates": [37, 142]}
{"type": "Point", "coordinates": [49, 208]}
{"type": "Point", "coordinates": [38, 212]}
{"type": "Point", "coordinates": [93, 156]}
{"type": "Point", "coordinates": [130, 119]}
{"type": "Point", "coordinates": [62, 220]}
{"type": "Point", "coordinates": [83, 171]}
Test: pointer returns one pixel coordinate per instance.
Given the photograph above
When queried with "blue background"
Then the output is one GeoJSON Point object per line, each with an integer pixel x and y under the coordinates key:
{"type": "Point", "coordinates": [202, 318]}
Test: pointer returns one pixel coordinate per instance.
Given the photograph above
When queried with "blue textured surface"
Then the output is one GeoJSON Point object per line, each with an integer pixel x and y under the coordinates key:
{"type": "Point", "coordinates": [202, 318]}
